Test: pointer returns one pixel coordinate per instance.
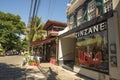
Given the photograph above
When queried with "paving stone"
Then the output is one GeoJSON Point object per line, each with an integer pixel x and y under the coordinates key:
{"type": "Point", "coordinates": [53, 72]}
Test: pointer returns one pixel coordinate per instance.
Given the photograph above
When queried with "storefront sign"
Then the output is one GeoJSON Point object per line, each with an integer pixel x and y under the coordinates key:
{"type": "Point", "coordinates": [96, 28]}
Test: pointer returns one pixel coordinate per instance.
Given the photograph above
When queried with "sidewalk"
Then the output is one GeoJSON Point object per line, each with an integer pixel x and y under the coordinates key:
{"type": "Point", "coordinates": [33, 73]}
{"type": "Point", "coordinates": [53, 72]}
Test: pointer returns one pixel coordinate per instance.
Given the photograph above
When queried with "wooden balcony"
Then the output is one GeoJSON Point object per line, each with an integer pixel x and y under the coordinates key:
{"type": "Point", "coordinates": [52, 34]}
{"type": "Point", "coordinates": [54, 25]}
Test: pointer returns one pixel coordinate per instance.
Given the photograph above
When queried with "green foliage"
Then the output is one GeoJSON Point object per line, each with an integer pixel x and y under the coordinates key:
{"type": "Point", "coordinates": [11, 27]}
{"type": "Point", "coordinates": [26, 56]}
{"type": "Point", "coordinates": [1, 48]}
{"type": "Point", "coordinates": [36, 30]}
{"type": "Point", "coordinates": [32, 61]}
{"type": "Point", "coordinates": [25, 44]}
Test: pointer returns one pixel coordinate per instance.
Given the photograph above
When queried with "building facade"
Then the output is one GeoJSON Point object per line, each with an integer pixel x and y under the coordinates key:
{"type": "Point", "coordinates": [47, 48]}
{"type": "Point", "coordinates": [90, 44]}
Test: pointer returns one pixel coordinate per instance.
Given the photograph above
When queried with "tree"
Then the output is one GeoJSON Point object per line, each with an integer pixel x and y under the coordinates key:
{"type": "Point", "coordinates": [11, 28]}
{"type": "Point", "coordinates": [36, 30]}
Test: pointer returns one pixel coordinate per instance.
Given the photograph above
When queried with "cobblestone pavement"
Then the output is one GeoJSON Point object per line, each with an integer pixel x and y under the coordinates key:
{"type": "Point", "coordinates": [53, 72]}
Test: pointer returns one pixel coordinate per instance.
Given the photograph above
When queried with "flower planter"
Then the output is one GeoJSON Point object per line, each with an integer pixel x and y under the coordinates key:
{"type": "Point", "coordinates": [34, 64]}
{"type": "Point", "coordinates": [53, 61]}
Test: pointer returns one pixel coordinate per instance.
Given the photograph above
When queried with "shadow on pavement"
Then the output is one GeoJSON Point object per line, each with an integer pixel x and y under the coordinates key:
{"type": "Point", "coordinates": [49, 73]}
{"type": "Point", "coordinates": [11, 72]}
{"type": "Point", "coordinates": [52, 75]}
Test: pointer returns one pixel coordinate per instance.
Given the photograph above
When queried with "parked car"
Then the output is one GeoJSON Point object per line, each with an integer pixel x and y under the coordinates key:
{"type": "Point", "coordinates": [11, 53]}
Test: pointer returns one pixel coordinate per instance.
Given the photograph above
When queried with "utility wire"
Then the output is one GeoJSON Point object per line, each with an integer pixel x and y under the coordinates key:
{"type": "Point", "coordinates": [29, 19]}
{"type": "Point", "coordinates": [34, 10]}
{"type": "Point", "coordinates": [37, 9]}
{"type": "Point", "coordinates": [32, 15]}
{"type": "Point", "coordinates": [49, 8]}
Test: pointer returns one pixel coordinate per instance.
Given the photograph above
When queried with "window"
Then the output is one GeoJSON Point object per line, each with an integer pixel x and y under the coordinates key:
{"type": "Point", "coordinates": [91, 6]}
{"type": "Point", "coordinates": [71, 22]}
{"type": "Point", "coordinates": [91, 10]}
{"type": "Point", "coordinates": [108, 5]}
{"type": "Point", "coordinates": [92, 15]}
{"type": "Point", "coordinates": [79, 17]}
{"type": "Point", "coordinates": [92, 51]}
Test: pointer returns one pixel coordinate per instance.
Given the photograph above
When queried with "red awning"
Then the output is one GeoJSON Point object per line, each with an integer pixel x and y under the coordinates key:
{"type": "Point", "coordinates": [38, 42]}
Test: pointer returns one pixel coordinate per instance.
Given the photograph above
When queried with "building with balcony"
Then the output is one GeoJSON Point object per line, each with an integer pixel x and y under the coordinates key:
{"type": "Point", "coordinates": [90, 44]}
{"type": "Point", "coordinates": [48, 48]}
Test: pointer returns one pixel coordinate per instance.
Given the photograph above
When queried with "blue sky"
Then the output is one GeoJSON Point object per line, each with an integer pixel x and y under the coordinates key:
{"type": "Point", "coordinates": [48, 9]}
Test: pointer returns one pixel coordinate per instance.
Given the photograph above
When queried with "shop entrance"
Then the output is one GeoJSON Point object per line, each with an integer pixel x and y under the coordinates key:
{"type": "Point", "coordinates": [67, 48]}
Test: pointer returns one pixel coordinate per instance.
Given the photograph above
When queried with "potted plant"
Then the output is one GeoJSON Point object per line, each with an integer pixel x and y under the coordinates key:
{"type": "Point", "coordinates": [33, 62]}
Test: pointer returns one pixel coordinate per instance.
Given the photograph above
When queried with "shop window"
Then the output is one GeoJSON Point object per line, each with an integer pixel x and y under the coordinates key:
{"type": "Point", "coordinates": [92, 51]}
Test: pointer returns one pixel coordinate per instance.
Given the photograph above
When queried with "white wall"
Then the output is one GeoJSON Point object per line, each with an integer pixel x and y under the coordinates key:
{"type": "Point", "coordinates": [115, 4]}
{"type": "Point", "coordinates": [67, 48]}
{"type": "Point", "coordinates": [63, 31]}
{"type": "Point", "coordinates": [114, 37]}
{"type": "Point", "coordinates": [112, 40]}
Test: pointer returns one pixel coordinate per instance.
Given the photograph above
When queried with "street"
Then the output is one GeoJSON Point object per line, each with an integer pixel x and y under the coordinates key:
{"type": "Point", "coordinates": [10, 68]}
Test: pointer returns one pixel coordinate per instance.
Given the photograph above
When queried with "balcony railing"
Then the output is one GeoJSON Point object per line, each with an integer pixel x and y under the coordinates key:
{"type": "Point", "coordinates": [52, 34]}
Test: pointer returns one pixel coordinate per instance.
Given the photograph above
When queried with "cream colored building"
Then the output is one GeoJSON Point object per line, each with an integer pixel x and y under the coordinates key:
{"type": "Point", "coordinates": [90, 45]}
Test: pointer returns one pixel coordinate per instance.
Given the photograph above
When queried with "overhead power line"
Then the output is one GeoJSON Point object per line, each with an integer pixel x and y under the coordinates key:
{"type": "Point", "coordinates": [34, 7]}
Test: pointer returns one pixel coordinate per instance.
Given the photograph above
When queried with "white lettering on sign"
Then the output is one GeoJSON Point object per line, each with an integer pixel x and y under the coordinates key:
{"type": "Point", "coordinates": [93, 29]}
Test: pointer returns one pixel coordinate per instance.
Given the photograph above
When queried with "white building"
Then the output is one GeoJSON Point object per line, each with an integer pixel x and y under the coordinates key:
{"type": "Point", "coordinates": [90, 45]}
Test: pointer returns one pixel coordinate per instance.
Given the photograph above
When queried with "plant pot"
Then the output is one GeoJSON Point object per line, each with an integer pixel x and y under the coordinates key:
{"type": "Point", "coordinates": [34, 64]}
